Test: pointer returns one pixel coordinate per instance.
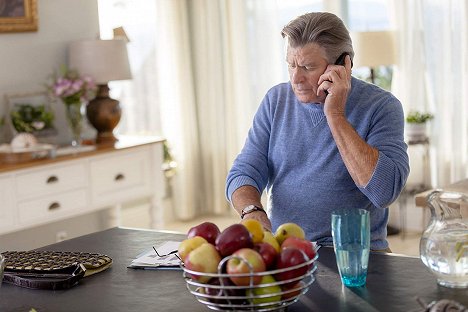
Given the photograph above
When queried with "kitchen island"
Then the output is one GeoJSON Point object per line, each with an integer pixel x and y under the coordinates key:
{"type": "Point", "coordinates": [394, 282]}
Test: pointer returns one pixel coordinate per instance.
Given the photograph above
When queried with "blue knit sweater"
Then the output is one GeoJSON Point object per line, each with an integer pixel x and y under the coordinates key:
{"type": "Point", "coordinates": [290, 151]}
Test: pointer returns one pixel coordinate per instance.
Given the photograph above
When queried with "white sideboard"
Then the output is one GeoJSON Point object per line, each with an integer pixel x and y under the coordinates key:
{"type": "Point", "coordinates": [42, 191]}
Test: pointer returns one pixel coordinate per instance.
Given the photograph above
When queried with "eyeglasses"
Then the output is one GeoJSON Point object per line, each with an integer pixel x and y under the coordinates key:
{"type": "Point", "coordinates": [174, 252]}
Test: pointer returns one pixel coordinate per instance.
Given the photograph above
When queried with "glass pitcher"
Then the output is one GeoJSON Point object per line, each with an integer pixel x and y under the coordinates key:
{"type": "Point", "coordinates": [444, 244]}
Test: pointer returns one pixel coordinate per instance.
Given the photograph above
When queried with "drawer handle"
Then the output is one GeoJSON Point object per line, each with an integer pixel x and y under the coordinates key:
{"type": "Point", "coordinates": [54, 206]}
{"type": "Point", "coordinates": [52, 179]}
{"type": "Point", "coordinates": [119, 177]}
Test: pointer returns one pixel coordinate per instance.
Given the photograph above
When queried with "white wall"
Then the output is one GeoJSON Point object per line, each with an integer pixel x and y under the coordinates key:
{"type": "Point", "coordinates": [27, 59]}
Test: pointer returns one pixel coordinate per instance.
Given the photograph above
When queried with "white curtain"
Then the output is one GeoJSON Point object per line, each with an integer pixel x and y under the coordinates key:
{"type": "Point", "coordinates": [432, 75]}
{"type": "Point", "coordinates": [177, 92]}
{"type": "Point", "coordinates": [206, 94]}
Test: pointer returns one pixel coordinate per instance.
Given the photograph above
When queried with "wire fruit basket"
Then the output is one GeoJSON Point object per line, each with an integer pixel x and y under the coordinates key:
{"type": "Point", "coordinates": [219, 293]}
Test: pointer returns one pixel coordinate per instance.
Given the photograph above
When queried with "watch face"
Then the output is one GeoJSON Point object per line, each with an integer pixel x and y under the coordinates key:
{"type": "Point", "coordinates": [249, 209]}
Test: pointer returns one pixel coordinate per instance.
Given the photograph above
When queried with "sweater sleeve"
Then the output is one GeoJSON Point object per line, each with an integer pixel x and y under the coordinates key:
{"type": "Point", "coordinates": [251, 166]}
{"type": "Point", "coordinates": [391, 172]}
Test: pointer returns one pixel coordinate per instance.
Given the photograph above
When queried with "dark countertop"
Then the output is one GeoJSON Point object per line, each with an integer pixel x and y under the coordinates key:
{"type": "Point", "coordinates": [393, 282]}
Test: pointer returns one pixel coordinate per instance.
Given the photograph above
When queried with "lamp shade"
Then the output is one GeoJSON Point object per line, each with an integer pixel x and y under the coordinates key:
{"type": "Point", "coordinates": [103, 60]}
{"type": "Point", "coordinates": [373, 48]}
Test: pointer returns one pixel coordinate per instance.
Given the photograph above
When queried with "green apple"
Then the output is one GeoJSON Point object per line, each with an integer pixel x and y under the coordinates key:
{"type": "Point", "coordinates": [273, 290]}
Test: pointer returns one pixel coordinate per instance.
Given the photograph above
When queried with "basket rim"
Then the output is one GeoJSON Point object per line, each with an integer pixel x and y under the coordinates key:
{"type": "Point", "coordinates": [262, 273]}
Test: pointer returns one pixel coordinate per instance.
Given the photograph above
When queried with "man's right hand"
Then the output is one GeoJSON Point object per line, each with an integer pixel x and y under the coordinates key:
{"type": "Point", "coordinates": [248, 195]}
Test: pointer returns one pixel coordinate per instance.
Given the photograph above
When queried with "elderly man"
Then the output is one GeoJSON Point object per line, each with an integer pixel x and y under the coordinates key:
{"type": "Point", "coordinates": [322, 141]}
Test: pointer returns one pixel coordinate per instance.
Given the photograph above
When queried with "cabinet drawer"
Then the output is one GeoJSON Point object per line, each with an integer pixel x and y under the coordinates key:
{"type": "Point", "coordinates": [51, 180]}
{"type": "Point", "coordinates": [120, 178]}
{"type": "Point", "coordinates": [50, 208]}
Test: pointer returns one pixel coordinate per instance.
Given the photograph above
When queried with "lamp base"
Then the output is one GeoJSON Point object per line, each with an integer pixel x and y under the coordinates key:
{"type": "Point", "coordinates": [104, 114]}
{"type": "Point", "coordinates": [105, 138]}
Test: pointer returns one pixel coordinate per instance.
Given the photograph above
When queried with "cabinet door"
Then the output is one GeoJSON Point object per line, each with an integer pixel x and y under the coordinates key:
{"type": "Point", "coordinates": [7, 208]}
{"type": "Point", "coordinates": [121, 177]}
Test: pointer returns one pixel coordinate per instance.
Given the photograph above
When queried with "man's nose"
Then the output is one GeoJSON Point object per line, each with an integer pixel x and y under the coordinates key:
{"type": "Point", "coordinates": [297, 75]}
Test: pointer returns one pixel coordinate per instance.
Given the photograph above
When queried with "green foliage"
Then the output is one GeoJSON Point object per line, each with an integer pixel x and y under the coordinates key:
{"type": "Point", "coordinates": [418, 117]}
{"type": "Point", "coordinates": [382, 76]}
{"type": "Point", "coordinates": [167, 153]}
{"type": "Point", "coordinates": [29, 118]}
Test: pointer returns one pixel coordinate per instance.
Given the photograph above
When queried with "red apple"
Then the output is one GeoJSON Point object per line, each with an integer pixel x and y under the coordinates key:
{"type": "Point", "coordinates": [205, 259]}
{"type": "Point", "coordinates": [268, 253]}
{"type": "Point", "coordinates": [239, 264]}
{"type": "Point", "coordinates": [207, 230]}
{"type": "Point", "coordinates": [302, 244]}
{"type": "Point", "coordinates": [292, 291]}
{"type": "Point", "coordinates": [215, 289]}
{"type": "Point", "coordinates": [233, 238]}
{"type": "Point", "coordinates": [289, 257]}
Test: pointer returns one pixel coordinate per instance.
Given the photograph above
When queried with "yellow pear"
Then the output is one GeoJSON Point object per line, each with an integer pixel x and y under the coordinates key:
{"type": "Point", "coordinates": [286, 230]}
{"type": "Point", "coordinates": [270, 239]}
{"type": "Point", "coordinates": [255, 228]}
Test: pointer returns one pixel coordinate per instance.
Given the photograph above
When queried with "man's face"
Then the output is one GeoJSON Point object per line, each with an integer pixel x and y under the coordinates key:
{"type": "Point", "coordinates": [305, 65]}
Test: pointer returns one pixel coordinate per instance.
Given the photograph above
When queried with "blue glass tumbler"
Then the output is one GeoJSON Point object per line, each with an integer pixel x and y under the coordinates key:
{"type": "Point", "coordinates": [351, 241]}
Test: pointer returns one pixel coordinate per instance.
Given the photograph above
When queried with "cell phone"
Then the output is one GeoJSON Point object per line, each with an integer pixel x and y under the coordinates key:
{"type": "Point", "coordinates": [340, 61]}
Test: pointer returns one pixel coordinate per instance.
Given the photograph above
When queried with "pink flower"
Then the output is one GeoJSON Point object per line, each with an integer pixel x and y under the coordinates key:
{"type": "Point", "coordinates": [71, 88]}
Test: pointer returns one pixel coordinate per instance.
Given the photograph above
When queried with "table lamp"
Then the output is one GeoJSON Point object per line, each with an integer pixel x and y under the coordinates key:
{"type": "Point", "coordinates": [372, 49]}
{"type": "Point", "coordinates": [104, 61]}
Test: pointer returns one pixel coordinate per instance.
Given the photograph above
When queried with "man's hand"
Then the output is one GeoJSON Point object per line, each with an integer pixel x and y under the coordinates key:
{"type": "Point", "coordinates": [336, 80]}
{"type": "Point", "coordinates": [248, 195]}
{"type": "Point", "coordinates": [359, 157]}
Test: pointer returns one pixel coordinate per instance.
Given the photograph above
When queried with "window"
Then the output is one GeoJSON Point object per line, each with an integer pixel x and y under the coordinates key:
{"type": "Point", "coordinates": [368, 15]}
{"type": "Point", "coordinates": [138, 97]}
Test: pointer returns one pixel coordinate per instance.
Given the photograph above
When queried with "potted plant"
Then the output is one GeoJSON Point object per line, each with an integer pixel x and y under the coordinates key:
{"type": "Point", "coordinates": [32, 119]}
{"type": "Point", "coordinates": [416, 125]}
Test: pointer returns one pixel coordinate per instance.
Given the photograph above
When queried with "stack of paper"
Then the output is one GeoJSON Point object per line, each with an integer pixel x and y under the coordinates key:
{"type": "Point", "coordinates": [150, 260]}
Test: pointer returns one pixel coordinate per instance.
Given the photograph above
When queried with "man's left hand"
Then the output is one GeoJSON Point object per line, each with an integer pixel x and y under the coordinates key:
{"type": "Point", "coordinates": [336, 80]}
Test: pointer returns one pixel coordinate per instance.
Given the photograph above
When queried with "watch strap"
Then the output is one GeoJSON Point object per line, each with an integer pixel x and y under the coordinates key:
{"type": "Point", "coordinates": [250, 209]}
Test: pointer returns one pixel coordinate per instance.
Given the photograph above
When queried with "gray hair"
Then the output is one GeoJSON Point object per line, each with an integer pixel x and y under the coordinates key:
{"type": "Point", "coordinates": [325, 29]}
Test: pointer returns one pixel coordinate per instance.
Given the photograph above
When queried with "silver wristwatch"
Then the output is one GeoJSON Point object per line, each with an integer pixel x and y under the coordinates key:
{"type": "Point", "coordinates": [249, 209]}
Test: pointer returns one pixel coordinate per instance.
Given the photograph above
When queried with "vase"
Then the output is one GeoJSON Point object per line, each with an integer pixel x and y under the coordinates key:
{"type": "Point", "coordinates": [416, 131]}
{"type": "Point", "coordinates": [75, 116]}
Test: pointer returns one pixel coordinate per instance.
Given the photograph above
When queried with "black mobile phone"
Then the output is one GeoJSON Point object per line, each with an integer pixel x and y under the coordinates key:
{"type": "Point", "coordinates": [340, 61]}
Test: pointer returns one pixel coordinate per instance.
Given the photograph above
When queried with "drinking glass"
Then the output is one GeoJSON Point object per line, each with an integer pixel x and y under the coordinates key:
{"type": "Point", "coordinates": [351, 241]}
{"type": "Point", "coordinates": [2, 267]}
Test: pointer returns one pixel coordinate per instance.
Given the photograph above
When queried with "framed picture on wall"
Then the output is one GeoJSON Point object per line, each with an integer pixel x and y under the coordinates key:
{"type": "Point", "coordinates": [18, 15]}
{"type": "Point", "coordinates": [31, 113]}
